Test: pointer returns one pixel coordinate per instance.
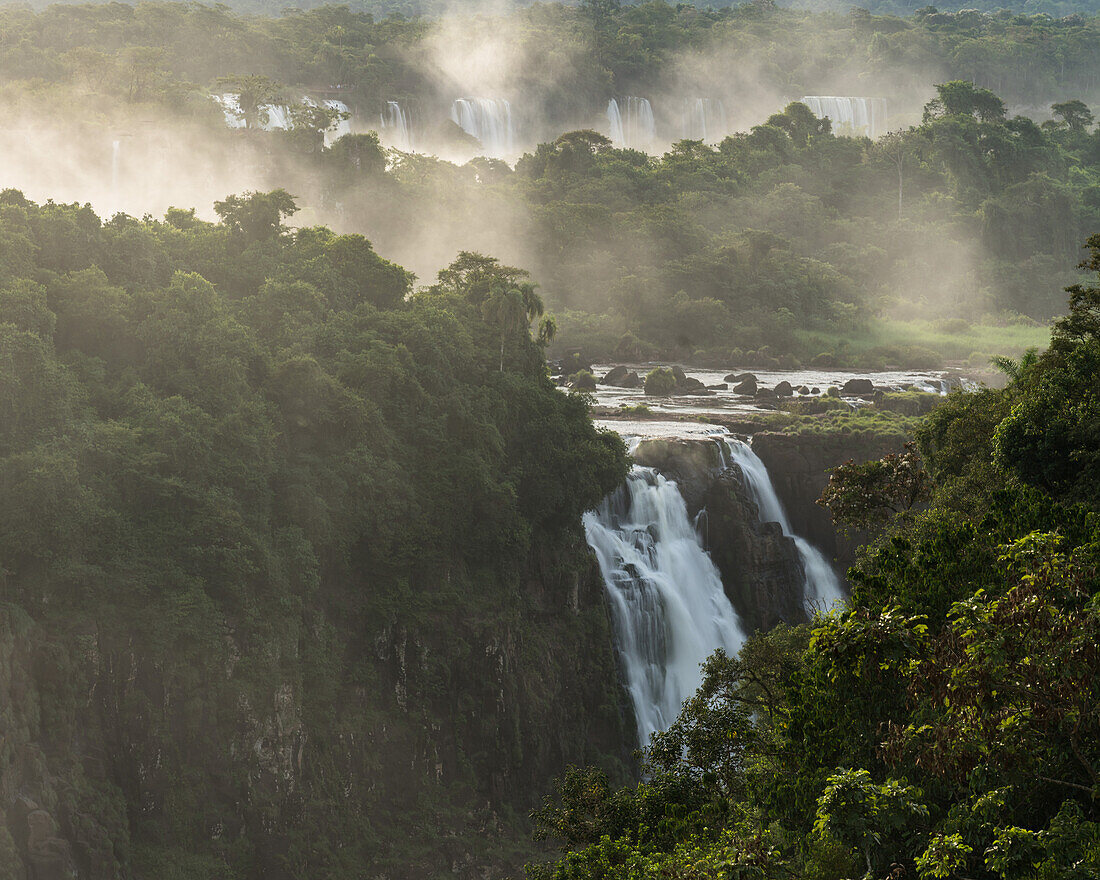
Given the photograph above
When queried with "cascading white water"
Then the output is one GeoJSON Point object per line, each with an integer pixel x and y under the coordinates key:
{"type": "Point", "coordinates": [396, 127]}
{"type": "Point", "coordinates": [822, 589]}
{"type": "Point", "coordinates": [632, 124]}
{"type": "Point", "coordinates": [278, 117]}
{"type": "Point", "coordinates": [489, 120]}
{"type": "Point", "coordinates": [668, 606]}
{"type": "Point", "coordinates": [231, 108]}
{"type": "Point", "coordinates": [703, 119]}
{"type": "Point", "coordinates": [850, 115]}
{"type": "Point", "coordinates": [342, 127]}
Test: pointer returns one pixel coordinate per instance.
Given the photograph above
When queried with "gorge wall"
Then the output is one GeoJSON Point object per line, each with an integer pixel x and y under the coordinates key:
{"type": "Point", "coordinates": [413, 748]}
{"type": "Point", "coordinates": [760, 566]}
{"type": "Point", "coordinates": [799, 466]}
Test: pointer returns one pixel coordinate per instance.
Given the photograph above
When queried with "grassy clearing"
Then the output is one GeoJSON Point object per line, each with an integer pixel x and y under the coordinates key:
{"type": "Point", "coordinates": [927, 343]}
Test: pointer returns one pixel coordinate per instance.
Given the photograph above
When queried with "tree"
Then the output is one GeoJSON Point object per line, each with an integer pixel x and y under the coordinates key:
{"type": "Point", "coordinates": [896, 147]}
{"type": "Point", "coordinates": [961, 98]}
{"type": "Point", "coordinates": [256, 216]}
{"type": "Point", "coordinates": [1075, 115]}
{"type": "Point", "coordinates": [511, 310]}
{"type": "Point", "coordinates": [870, 495]}
{"type": "Point", "coordinates": [255, 94]}
{"type": "Point", "coordinates": [474, 277]}
{"type": "Point", "coordinates": [858, 812]}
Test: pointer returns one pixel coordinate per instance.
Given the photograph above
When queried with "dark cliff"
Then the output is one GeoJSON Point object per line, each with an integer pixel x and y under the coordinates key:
{"type": "Point", "coordinates": [799, 467]}
{"type": "Point", "coordinates": [760, 567]}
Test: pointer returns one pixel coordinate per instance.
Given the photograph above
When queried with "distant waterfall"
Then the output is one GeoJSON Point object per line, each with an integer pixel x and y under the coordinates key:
{"type": "Point", "coordinates": [632, 125]}
{"type": "Point", "coordinates": [489, 120]}
{"type": "Point", "coordinates": [278, 117]}
{"type": "Point", "coordinates": [703, 119]}
{"type": "Point", "coordinates": [396, 127]}
{"type": "Point", "coordinates": [231, 108]}
{"type": "Point", "coordinates": [116, 161]}
{"type": "Point", "coordinates": [669, 609]}
{"type": "Point", "coordinates": [822, 590]}
{"type": "Point", "coordinates": [342, 127]}
{"type": "Point", "coordinates": [859, 115]}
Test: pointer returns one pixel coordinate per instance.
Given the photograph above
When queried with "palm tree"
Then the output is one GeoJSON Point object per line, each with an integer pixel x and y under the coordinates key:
{"type": "Point", "coordinates": [511, 310]}
{"type": "Point", "coordinates": [1016, 370]}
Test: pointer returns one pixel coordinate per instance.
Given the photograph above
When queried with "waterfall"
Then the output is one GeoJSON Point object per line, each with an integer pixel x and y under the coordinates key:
{"type": "Point", "coordinates": [822, 589]}
{"type": "Point", "coordinates": [116, 160]}
{"type": "Point", "coordinates": [632, 126]}
{"type": "Point", "coordinates": [668, 607]}
{"type": "Point", "coordinates": [489, 120]}
{"type": "Point", "coordinates": [278, 117]}
{"type": "Point", "coordinates": [703, 119]}
{"type": "Point", "coordinates": [342, 127]}
{"type": "Point", "coordinates": [396, 127]}
{"type": "Point", "coordinates": [860, 115]}
{"type": "Point", "coordinates": [231, 108]}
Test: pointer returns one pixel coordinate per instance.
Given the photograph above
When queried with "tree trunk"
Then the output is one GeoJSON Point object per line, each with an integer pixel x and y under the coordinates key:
{"type": "Point", "coordinates": [899, 189]}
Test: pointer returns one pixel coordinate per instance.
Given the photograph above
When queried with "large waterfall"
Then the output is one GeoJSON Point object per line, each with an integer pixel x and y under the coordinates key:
{"type": "Point", "coordinates": [668, 606]}
{"type": "Point", "coordinates": [850, 115]}
{"type": "Point", "coordinates": [396, 127]}
{"type": "Point", "coordinates": [632, 124]}
{"type": "Point", "coordinates": [489, 120]}
{"type": "Point", "coordinates": [703, 119]}
{"type": "Point", "coordinates": [822, 590]}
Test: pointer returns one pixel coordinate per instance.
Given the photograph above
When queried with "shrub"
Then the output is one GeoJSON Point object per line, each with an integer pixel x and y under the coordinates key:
{"type": "Point", "coordinates": [583, 379]}
{"type": "Point", "coordinates": [660, 382]}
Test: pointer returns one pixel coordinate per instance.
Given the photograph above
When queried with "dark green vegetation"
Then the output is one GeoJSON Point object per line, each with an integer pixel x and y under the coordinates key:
{"type": "Point", "coordinates": [786, 242]}
{"type": "Point", "coordinates": [291, 575]}
{"type": "Point", "coordinates": [947, 724]}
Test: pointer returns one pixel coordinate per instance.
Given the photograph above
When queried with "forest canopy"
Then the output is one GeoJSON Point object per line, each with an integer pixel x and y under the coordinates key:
{"type": "Point", "coordinates": [945, 723]}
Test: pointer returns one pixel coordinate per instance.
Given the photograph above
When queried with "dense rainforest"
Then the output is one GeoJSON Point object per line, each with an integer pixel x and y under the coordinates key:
{"type": "Point", "coordinates": [291, 575]}
{"type": "Point", "coordinates": [946, 724]}
{"type": "Point", "coordinates": [789, 240]}
{"type": "Point", "coordinates": [297, 576]}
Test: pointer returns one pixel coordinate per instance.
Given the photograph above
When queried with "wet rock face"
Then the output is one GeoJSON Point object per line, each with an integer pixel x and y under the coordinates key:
{"type": "Point", "coordinates": [691, 463]}
{"type": "Point", "coordinates": [760, 566]}
{"type": "Point", "coordinates": [799, 466]}
{"type": "Point", "coordinates": [437, 726]}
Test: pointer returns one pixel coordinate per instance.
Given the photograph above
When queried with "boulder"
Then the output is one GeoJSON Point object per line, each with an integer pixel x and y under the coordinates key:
{"type": "Point", "coordinates": [802, 389]}
{"type": "Point", "coordinates": [688, 385]}
{"type": "Point", "coordinates": [679, 374]}
{"type": "Point", "coordinates": [784, 389]}
{"type": "Point", "coordinates": [721, 386]}
{"type": "Point", "coordinates": [740, 377]}
{"type": "Point", "coordinates": [621, 377]}
{"type": "Point", "coordinates": [615, 376]}
{"type": "Point", "coordinates": [767, 394]}
{"type": "Point", "coordinates": [746, 386]}
{"type": "Point", "coordinates": [858, 386]}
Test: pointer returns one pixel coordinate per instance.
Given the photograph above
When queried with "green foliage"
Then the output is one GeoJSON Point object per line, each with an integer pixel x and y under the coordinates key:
{"type": "Point", "coordinates": [963, 212]}
{"type": "Point", "coordinates": [870, 495]}
{"type": "Point", "coordinates": [243, 475]}
{"type": "Point", "coordinates": [944, 724]}
{"type": "Point", "coordinates": [660, 382]}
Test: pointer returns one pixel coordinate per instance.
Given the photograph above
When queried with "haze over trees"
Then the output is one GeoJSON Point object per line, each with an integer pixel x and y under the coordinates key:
{"type": "Point", "coordinates": [945, 724]}
{"type": "Point", "coordinates": [293, 578]}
